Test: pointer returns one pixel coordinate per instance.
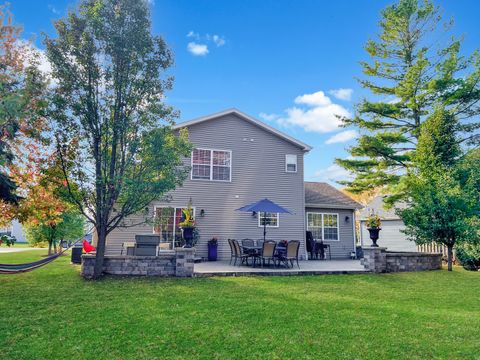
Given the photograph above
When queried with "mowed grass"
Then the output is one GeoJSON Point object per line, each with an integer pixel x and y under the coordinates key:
{"type": "Point", "coordinates": [52, 313]}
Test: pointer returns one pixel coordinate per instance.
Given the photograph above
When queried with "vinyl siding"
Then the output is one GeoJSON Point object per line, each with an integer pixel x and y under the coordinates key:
{"type": "Point", "coordinates": [390, 236]}
{"type": "Point", "coordinates": [258, 171]}
{"type": "Point", "coordinates": [340, 249]}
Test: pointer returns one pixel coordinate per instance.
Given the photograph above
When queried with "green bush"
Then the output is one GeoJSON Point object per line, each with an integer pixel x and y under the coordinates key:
{"type": "Point", "coordinates": [468, 256]}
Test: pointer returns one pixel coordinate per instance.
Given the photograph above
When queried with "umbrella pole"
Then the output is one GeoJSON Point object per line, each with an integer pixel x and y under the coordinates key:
{"type": "Point", "coordinates": [264, 225]}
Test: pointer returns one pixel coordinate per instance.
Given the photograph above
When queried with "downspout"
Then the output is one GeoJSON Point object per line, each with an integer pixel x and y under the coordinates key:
{"type": "Point", "coordinates": [355, 233]}
{"type": "Point", "coordinates": [304, 210]}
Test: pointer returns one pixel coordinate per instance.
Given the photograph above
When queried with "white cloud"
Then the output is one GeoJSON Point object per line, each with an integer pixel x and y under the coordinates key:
{"type": "Point", "coordinates": [218, 40]}
{"type": "Point", "coordinates": [193, 34]}
{"type": "Point", "coordinates": [319, 114]}
{"type": "Point", "coordinates": [392, 100]}
{"type": "Point", "coordinates": [53, 9]}
{"type": "Point", "coordinates": [197, 49]}
{"type": "Point", "coordinates": [316, 99]}
{"type": "Point", "coordinates": [333, 173]}
{"type": "Point", "coordinates": [36, 57]}
{"type": "Point", "coordinates": [342, 137]}
{"type": "Point", "coordinates": [342, 93]}
{"type": "Point", "coordinates": [268, 117]}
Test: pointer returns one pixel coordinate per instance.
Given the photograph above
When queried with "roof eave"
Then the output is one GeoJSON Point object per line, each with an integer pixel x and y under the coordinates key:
{"type": "Point", "coordinates": [302, 145]}
{"type": "Point", "coordinates": [334, 206]}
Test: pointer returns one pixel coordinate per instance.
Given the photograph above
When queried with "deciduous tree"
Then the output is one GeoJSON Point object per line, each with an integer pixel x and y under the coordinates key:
{"type": "Point", "coordinates": [68, 227]}
{"type": "Point", "coordinates": [113, 131]}
{"type": "Point", "coordinates": [22, 97]}
{"type": "Point", "coordinates": [443, 203]}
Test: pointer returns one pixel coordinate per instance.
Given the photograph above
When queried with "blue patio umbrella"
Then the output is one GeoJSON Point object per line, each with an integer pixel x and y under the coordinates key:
{"type": "Point", "coordinates": [265, 206]}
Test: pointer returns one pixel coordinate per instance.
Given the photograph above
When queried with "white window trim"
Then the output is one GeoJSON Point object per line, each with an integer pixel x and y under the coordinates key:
{"type": "Point", "coordinates": [323, 227]}
{"type": "Point", "coordinates": [268, 226]}
{"type": "Point", "coordinates": [211, 165]}
{"type": "Point", "coordinates": [296, 163]}
{"type": "Point", "coordinates": [174, 218]}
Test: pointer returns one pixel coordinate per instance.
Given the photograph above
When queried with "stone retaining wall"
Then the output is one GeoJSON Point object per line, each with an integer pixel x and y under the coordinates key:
{"type": "Point", "coordinates": [179, 262]}
{"type": "Point", "coordinates": [379, 260]}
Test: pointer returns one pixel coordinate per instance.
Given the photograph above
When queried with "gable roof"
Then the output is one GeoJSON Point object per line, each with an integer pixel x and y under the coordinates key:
{"type": "Point", "coordinates": [376, 206]}
{"type": "Point", "coordinates": [320, 194]}
{"type": "Point", "coordinates": [248, 118]}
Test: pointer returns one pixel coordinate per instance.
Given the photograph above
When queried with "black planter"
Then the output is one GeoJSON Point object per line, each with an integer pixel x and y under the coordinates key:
{"type": "Point", "coordinates": [212, 252]}
{"type": "Point", "coordinates": [188, 236]}
{"type": "Point", "coordinates": [374, 235]}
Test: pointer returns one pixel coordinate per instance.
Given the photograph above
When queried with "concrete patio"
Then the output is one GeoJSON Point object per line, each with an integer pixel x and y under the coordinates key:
{"type": "Point", "coordinates": [312, 267]}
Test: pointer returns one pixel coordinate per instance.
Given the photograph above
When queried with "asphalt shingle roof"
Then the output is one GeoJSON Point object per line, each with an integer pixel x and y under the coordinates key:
{"type": "Point", "coordinates": [320, 193]}
{"type": "Point", "coordinates": [376, 206]}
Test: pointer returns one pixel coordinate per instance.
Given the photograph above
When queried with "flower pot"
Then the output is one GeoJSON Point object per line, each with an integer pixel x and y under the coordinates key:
{"type": "Point", "coordinates": [212, 252]}
{"type": "Point", "coordinates": [188, 236]}
{"type": "Point", "coordinates": [374, 235]}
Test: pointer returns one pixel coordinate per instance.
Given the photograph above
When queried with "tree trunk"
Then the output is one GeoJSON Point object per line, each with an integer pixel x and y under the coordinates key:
{"type": "Point", "coordinates": [449, 256]}
{"type": "Point", "coordinates": [100, 253]}
{"type": "Point", "coordinates": [49, 248]}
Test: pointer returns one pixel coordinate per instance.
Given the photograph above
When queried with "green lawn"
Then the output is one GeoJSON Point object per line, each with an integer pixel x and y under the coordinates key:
{"type": "Point", "coordinates": [52, 313]}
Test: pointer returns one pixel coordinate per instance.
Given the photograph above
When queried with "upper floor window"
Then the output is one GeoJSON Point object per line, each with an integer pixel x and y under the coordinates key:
{"type": "Point", "coordinates": [291, 163]}
{"type": "Point", "coordinates": [215, 165]}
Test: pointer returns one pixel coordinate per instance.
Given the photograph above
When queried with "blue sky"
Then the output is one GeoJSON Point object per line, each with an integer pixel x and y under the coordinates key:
{"type": "Point", "coordinates": [269, 58]}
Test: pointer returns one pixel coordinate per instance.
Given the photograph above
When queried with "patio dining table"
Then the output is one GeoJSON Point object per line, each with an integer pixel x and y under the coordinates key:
{"type": "Point", "coordinates": [258, 249]}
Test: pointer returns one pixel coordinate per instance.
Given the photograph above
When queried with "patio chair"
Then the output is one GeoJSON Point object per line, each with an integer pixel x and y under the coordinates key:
{"type": "Point", "coordinates": [238, 254]}
{"type": "Point", "coordinates": [268, 252]}
{"type": "Point", "coordinates": [291, 254]}
{"type": "Point", "coordinates": [247, 243]}
{"type": "Point", "coordinates": [232, 250]}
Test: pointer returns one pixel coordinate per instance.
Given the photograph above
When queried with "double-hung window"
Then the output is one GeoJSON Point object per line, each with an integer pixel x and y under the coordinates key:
{"type": "Point", "coordinates": [291, 163]}
{"type": "Point", "coordinates": [323, 226]}
{"type": "Point", "coordinates": [268, 219]}
{"type": "Point", "coordinates": [213, 165]}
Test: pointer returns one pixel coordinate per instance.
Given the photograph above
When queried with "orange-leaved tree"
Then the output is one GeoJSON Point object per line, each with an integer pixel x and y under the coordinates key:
{"type": "Point", "coordinates": [22, 97]}
{"type": "Point", "coordinates": [40, 204]}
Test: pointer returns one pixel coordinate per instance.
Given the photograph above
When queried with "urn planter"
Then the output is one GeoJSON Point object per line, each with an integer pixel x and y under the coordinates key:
{"type": "Point", "coordinates": [374, 235]}
{"type": "Point", "coordinates": [188, 236]}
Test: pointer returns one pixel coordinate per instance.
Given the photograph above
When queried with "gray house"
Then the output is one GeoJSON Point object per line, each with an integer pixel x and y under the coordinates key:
{"type": "Point", "coordinates": [238, 160]}
{"type": "Point", "coordinates": [391, 235]}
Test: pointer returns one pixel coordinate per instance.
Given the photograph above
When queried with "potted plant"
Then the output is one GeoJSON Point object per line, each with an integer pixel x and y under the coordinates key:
{"type": "Point", "coordinates": [373, 226]}
{"type": "Point", "coordinates": [188, 225]}
{"type": "Point", "coordinates": [212, 249]}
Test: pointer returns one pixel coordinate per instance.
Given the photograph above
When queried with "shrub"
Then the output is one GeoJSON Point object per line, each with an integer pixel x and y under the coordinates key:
{"type": "Point", "coordinates": [468, 256]}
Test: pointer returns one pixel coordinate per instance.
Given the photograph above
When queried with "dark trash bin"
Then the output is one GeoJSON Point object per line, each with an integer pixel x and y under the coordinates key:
{"type": "Point", "coordinates": [77, 254]}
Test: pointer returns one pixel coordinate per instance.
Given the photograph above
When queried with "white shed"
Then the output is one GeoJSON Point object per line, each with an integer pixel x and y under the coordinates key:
{"type": "Point", "coordinates": [391, 236]}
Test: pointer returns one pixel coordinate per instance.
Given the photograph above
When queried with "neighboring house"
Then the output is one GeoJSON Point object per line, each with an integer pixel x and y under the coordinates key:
{"type": "Point", "coordinates": [15, 229]}
{"type": "Point", "coordinates": [238, 160]}
{"type": "Point", "coordinates": [391, 235]}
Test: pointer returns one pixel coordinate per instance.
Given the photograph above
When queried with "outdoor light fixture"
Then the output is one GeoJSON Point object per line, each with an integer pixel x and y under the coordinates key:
{"type": "Point", "coordinates": [254, 213]}
{"type": "Point", "coordinates": [202, 213]}
{"type": "Point", "coordinates": [347, 218]}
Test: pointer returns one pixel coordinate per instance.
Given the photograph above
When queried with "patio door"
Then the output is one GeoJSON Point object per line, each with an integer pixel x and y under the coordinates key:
{"type": "Point", "coordinates": [166, 224]}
